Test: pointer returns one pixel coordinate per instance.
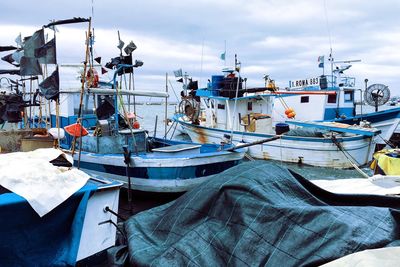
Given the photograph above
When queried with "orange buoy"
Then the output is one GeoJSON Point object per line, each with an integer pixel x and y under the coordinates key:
{"type": "Point", "coordinates": [136, 125]}
{"type": "Point", "coordinates": [291, 115]}
{"type": "Point", "coordinates": [76, 130]}
{"type": "Point", "coordinates": [288, 110]}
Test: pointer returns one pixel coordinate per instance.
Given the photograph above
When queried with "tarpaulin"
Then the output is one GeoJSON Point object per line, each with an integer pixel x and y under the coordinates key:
{"type": "Point", "coordinates": [52, 240]}
{"type": "Point", "coordinates": [257, 214]}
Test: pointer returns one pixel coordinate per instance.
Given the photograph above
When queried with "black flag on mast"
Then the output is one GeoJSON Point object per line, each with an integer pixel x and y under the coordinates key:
{"type": "Point", "coordinates": [11, 72]}
{"type": "Point", "coordinates": [50, 87]}
{"type": "Point", "coordinates": [66, 21]}
{"type": "Point", "coordinates": [7, 48]}
{"type": "Point", "coordinates": [46, 54]}
{"type": "Point", "coordinates": [33, 42]}
{"type": "Point", "coordinates": [30, 66]}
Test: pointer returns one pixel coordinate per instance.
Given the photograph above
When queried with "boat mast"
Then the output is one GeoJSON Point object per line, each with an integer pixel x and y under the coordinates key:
{"type": "Point", "coordinates": [83, 79]}
{"type": "Point", "coordinates": [237, 69]}
{"type": "Point", "coordinates": [166, 106]}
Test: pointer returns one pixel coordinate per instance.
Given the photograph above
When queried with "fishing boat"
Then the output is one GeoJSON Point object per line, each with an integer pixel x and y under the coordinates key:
{"type": "Point", "coordinates": [333, 98]}
{"type": "Point", "coordinates": [245, 115]}
{"type": "Point", "coordinates": [117, 147]}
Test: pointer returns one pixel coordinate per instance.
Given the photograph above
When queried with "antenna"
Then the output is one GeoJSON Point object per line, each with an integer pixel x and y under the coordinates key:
{"type": "Point", "coordinates": [347, 61]}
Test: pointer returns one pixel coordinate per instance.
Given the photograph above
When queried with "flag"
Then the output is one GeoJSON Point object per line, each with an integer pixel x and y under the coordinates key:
{"type": "Point", "coordinates": [321, 61]}
{"type": "Point", "coordinates": [222, 56]}
{"type": "Point", "coordinates": [17, 55]}
{"type": "Point", "coordinates": [7, 48]}
{"type": "Point", "coordinates": [30, 66]}
{"type": "Point", "coordinates": [46, 54]}
{"type": "Point", "coordinates": [103, 70]}
{"type": "Point", "coordinates": [180, 80]}
{"type": "Point", "coordinates": [50, 87]}
{"type": "Point", "coordinates": [8, 58]}
{"type": "Point", "coordinates": [33, 42]}
{"type": "Point", "coordinates": [11, 72]}
{"type": "Point", "coordinates": [18, 40]}
{"type": "Point", "coordinates": [178, 73]}
{"type": "Point", "coordinates": [130, 48]}
{"type": "Point", "coordinates": [120, 45]}
{"type": "Point", "coordinates": [98, 60]}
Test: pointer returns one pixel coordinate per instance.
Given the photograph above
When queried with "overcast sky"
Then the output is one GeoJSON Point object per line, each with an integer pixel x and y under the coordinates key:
{"type": "Point", "coordinates": [281, 38]}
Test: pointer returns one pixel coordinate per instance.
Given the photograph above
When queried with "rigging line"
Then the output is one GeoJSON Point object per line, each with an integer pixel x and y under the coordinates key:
{"type": "Point", "coordinates": [92, 10]}
{"type": "Point", "coordinates": [201, 61]}
{"type": "Point", "coordinates": [327, 26]}
{"type": "Point", "coordinates": [173, 90]}
{"type": "Point", "coordinates": [351, 160]}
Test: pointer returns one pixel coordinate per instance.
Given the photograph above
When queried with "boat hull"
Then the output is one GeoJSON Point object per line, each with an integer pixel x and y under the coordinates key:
{"type": "Point", "coordinates": [159, 174]}
{"type": "Point", "coordinates": [313, 151]}
{"type": "Point", "coordinates": [387, 121]}
{"type": "Point", "coordinates": [98, 233]}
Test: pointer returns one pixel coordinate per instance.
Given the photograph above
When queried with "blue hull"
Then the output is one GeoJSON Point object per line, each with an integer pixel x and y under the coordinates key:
{"type": "Point", "coordinates": [160, 173]}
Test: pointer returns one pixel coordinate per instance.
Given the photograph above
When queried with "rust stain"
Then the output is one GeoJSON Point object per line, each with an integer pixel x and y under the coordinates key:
{"type": "Point", "coordinates": [266, 155]}
{"type": "Point", "coordinates": [202, 136]}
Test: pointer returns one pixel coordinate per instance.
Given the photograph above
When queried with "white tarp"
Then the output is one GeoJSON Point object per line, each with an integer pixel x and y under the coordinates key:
{"type": "Point", "coordinates": [43, 185]}
{"type": "Point", "coordinates": [377, 185]}
{"type": "Point", "coordinates": [382, 257]}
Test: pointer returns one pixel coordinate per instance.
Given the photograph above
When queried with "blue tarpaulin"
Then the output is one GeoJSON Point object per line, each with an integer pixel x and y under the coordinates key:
{"type": "Point", "coordinates": [260, 214]}
{"type": "Point", "coordinates": [53, 240]}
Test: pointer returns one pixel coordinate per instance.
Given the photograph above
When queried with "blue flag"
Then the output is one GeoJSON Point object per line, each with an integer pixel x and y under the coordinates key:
{"type": "Point", "coordinates": [222, 56]}
{"type": "Point", "coordinates": [321, 61]}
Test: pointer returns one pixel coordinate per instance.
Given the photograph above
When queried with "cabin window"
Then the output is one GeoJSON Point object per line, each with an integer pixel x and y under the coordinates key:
{"type": "Point", "coordinates": [332, 98]}
{"type": "Point", "coordinates": [221, 106]}
{"type": "Point", "coordinates": [249, 105]}
{"type": "Point", "coordinates": [348, 96]}
{"type": "Point", "coordinates": [304, 99]}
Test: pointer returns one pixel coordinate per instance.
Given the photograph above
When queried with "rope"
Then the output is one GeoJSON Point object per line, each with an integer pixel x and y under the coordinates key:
{"type": "Point", "coordinates": [348, 156]}
{"type": "Point", "coordinates": [387, 142]}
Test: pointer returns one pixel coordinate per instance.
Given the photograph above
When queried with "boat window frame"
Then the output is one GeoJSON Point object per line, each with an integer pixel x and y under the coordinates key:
{"type": "Point", "coordinates": [330, 99]}
{"type": "Point", "coordinates": [305, 99]}
{"type": "Point", "coordinates": [249, 106]}
{"type": "Point", "coordinates": [348, 93]}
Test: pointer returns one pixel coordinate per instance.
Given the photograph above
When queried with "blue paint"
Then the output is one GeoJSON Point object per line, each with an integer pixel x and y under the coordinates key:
{"type": "Point", "coordinates": [162, 173]}
{"type": "Point", "coordinates": [333, 113]}
{"type": "Point", "coordinates": [88, 121]}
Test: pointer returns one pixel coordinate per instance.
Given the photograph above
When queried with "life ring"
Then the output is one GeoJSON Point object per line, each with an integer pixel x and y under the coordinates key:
{"type": "Point", "coordinates": [92, 78]}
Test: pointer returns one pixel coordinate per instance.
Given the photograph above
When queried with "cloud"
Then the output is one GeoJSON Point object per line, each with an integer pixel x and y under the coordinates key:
{"type": "Point", "coordinates": [281, 38]}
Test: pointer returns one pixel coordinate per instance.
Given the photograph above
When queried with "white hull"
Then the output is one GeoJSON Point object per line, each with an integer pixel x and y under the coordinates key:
{"type": "Point", "coordinates": [308, 150]}
{"type": "Point", "coordinates": [98, 233]}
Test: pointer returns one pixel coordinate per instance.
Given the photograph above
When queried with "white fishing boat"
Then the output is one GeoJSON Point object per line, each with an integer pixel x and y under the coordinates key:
{"type": "Point", "coordinates": [230, 114]}
{"type": "Point", "coordinates": [333, 98]}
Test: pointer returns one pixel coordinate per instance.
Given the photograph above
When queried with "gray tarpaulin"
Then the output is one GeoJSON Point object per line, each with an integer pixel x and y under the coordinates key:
{"type": "Point", "coordinates": [256, 214]}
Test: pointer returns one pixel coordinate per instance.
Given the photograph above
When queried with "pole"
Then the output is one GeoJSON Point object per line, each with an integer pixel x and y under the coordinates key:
{"type": "Point", "coordinates": [83, 81]}
{"type": "Point", "coordinates": [255, 143]}
{"type": "Point", "coordinates": [166, 106]}
{"type": "Point", "coordinates": [127, 160]}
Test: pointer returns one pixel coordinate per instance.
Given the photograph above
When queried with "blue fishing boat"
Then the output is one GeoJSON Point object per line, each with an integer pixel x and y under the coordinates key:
{"type": "Point", "coordinates": [117, 147]}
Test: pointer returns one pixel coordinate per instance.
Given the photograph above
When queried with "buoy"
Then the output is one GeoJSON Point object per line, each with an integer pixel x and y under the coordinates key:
{"type": "Point", "coordinates": [76, 130]}
{"type": "Point", "coordinates": [136, 125]}
{"type": "Point", "coordinates": [288, 110]}
{"type": "Point", "coordinates": [291, 115]}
